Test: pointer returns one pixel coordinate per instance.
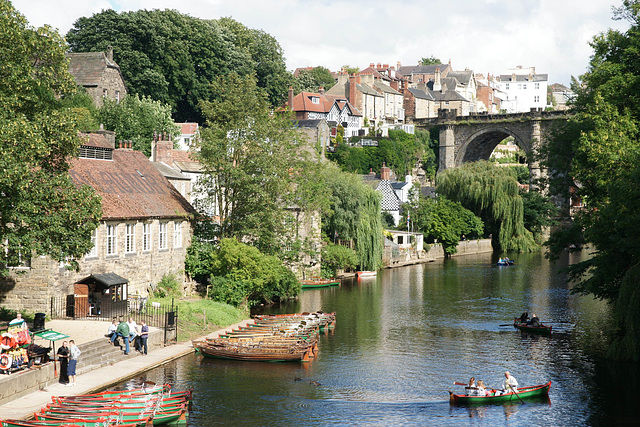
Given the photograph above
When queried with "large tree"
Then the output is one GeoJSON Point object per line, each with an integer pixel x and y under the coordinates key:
{"type": "Point", "coordinates": [41, 211]}
{"type": "Point", "coordinates": [314, 79]}
{"type": "Point", "coordinates": [597, 153]}
{"type": "Point", "coordinates": [173, 57]}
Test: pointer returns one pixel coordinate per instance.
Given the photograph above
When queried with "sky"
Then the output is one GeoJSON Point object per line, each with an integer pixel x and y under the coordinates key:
{"type": "Point", "coordinates": [486, 36]}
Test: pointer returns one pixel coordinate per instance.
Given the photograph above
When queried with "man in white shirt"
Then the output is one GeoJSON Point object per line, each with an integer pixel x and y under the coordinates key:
{"type": "Point", "coordinates": [133, 332]}
{"type": "Point", "coordinates": [510, 384]}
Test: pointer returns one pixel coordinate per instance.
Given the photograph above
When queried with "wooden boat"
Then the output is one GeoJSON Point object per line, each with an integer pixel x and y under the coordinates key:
{"type": "Point", "coordinates": [505, 263]}
{"type": "Point", "coordinates": [521, 394]}
{"type": "Point", "coordinates": [255, 353]}
{"type": "Point", "coordinates": [158, 417]}
{"type": "Point", "coordinates": [319, 283]}
{"type": "Point", "coordinates": [115, 394]}
{"type": "Point", "coordinates": [542, 329]}
{"type": "Point", "coordinates": [365, 274]}
{"type": "Point", "coordinates": [64, 423]}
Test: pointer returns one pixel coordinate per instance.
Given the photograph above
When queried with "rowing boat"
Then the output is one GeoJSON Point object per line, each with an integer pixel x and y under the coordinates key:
{"type": "Point", "coordinates": [254, 353]}
{"type": "Point", "coordinates": [542, 329]}
{"type": "Point", "coordinates": [505, 263]}
{"type": "Point", "coordinates": [522, 393]}
{"type": "Point", "coordinates": [319, 283]}
{"type": "Point", "coordinates": [64, 423]}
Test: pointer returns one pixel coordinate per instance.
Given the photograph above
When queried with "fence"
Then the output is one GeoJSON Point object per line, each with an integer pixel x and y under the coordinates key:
{"type": "Point", "coordinates": [155, 314]}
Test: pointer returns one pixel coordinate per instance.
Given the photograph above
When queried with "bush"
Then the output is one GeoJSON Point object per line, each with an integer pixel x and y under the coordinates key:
{"type": "Point", "coordinates": [168, 287]}
{"type": "Point", "coordinates": [338, 257]}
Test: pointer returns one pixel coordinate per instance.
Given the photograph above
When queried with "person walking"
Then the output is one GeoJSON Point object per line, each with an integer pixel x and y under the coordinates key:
{"type": "Point", "coordinates": [63, 358]}
{"type": "Point", "coordinates": [144, 335]}
{"type": "Point", "coordinates": [74, 354]}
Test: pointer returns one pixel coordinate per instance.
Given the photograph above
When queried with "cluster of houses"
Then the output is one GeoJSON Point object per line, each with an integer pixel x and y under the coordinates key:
{"type": "Point", "coordinates": [383, 97]}
{"type": "Point", "coordinates": [148, 203]}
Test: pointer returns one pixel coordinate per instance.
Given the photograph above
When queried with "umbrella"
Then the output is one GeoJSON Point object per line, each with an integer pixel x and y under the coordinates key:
{"type": "Point", "coordinates": [52, 336]}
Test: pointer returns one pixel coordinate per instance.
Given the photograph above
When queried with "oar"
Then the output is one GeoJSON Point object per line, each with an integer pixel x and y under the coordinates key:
{"type": "Point", "coordinates": [516, 393]}
{"type": "Point", "coordinates": [457, 383]}
{"type": "Point", "coordinates": [507, 324]}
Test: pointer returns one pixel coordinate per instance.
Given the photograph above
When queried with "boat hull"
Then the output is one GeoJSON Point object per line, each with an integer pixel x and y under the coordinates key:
{"type": "Point", "coordinates": [314, 284]}
{"type": "Point", "coordinates": [523, 393]}
{"type": "Point", "coordinates": [541, 330]}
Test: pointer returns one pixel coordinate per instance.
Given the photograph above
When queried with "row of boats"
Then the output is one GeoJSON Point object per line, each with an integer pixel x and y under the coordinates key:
{"type": "Point", "coordinates": [147, 406]}
{"type": "Point", "coordinates": [271, 338]}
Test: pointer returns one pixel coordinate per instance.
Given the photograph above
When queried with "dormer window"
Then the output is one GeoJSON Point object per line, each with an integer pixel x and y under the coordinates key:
{"type": "Point", "coordinates": [315, 100]}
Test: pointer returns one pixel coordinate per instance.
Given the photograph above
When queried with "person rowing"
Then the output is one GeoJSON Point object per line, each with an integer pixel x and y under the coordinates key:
{"type": "Point", "coordinates": [510, 384]}
{"type": "Point", "coordinates": [524, 317]}
{"type": "Point", "coordinates": [471, 388]}
{"type": "Point", "coordinates": [534, 322]}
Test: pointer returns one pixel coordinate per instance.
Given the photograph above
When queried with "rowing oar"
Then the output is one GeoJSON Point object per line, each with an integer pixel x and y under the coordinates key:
{"type": "Point", "coordinates": [507, 324]}
{"type": "Point", "coordinates": [516, 393]}
{"type": "Point", "coordinates": [457, 383]}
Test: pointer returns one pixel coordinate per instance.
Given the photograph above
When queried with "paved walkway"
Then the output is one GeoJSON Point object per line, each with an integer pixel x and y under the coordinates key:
{"type": "Point", "coordinates": [97, 379]}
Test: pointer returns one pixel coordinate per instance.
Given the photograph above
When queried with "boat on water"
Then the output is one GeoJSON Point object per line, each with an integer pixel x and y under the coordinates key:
{"type": "Point", "coordinates": [365, 274]}
{"type": "Point", "coordinates": [522, 393]}
{"type": "Point", "coordinates": [314, 283]}
{"type": "Point", "coordinates": [505, 263]}
{"type": "Point", "coordinates": [255, 352]}
{"type": "Point", "coordinates": [542, 329]}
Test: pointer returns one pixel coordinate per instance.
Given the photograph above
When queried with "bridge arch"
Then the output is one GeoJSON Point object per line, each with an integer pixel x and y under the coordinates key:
{"type": "Point", "coordinates": [480, 145]}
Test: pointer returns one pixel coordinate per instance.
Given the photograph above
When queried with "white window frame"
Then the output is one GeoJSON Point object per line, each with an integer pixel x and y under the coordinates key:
{"type": "Point", "coordinates": [177, 234]}
{"type": "Point", "coordinates": [537, 85]}
{"type": "Point", "coordinates": [147, 243]}
{"type": "Point", "coordinates": [162, 236]}
{"type": "Point", "coordinates": [93, 253]}
{"type": "Point", "coordinates": [112, 239]}
{"type": "Point", "coordinates": [130, 239]}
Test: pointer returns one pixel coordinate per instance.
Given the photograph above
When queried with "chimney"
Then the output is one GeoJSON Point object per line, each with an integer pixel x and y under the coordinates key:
{"type": "Point", "coordinates": [110, 53]}
{"type": "Point", "coordinates": [513, 77]}
{"type": "Point", "coordinates": [437, 84]}
{"type": "Point", "coordinates": [290, 98]}
{"type": "Point", "coordinates": [394, 84]}
{"type": "Point", "coordinates": [378, 67]}
{"type": "Point", "coordinates": [372, 65]}
{"type": "Point", "coordinates": [321, 90]}
{"type": "Point", "coordinates": [352, 89]}
{"type": "Point", "coordinates": [385, 172]}
{"type": "Point", "coordinates": [399, 65]}
{"type": "Point", "coordinates": [154, 150]}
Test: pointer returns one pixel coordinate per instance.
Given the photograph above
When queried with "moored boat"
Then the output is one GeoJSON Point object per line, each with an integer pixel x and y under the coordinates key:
{"type": "Point", "coordinates": [535, 391]}
{"type": "Point", "coordinates": [542, 329]}
{"type": "Point", "coordinates": [319, 283]}
{"type": "Point", "coordinates": [254, 353]}
{"type": "Point", "coordinates": [365, 274]}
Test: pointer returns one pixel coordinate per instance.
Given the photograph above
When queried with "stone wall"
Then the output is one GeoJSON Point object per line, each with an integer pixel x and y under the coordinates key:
{"type": "Point", "coordinates": [31, 288]}
{"type": "Point", "coordinates": [435, 251]}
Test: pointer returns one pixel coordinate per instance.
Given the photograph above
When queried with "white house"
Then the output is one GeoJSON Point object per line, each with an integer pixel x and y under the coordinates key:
{"type": "Point", "coordinates": [523, 89]}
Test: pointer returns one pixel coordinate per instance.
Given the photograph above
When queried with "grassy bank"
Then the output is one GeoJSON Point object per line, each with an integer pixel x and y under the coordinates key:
{"type": "Point", "coordinates": [198, 317]}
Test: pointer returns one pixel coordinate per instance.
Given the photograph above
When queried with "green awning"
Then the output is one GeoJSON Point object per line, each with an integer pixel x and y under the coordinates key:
{"type": "Point", "coordinates": [51, 335]}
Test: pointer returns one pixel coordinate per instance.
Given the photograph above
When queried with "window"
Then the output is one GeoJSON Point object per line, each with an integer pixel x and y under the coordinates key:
{"type": "Point", "coordinates": [117, 97]}
{"type": "Point", "coordinates": [111, 240]}
{"type": "Point", "coordinates": [524, 86]}
{"type": "Point", "coordinates": [537, 85]}
{"type": "Point", "coordinates": [162, 236]}
{"type": "Point", "coordinates": [130, 238]}
{"type": "Point", "coordinates": [146, 237]}
{"type": "Point", "coordinates": [315, 100]}
{"type": "Point", "coordinates": [94, 242]}
{"type": "Point", "coordinates": [536, 98]}
{"type": "Point", "coordinates": [519, 86]}
{"type": "Point", "coordinates": [506, 86]}
{"type": "Point", "coordinates": [104, 93]}
{"type": "Point", "coordinates": [177, 234]}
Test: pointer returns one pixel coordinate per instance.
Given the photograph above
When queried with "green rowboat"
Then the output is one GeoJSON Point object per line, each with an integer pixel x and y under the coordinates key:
{"type": "Point", "coordinates": [521, 394]}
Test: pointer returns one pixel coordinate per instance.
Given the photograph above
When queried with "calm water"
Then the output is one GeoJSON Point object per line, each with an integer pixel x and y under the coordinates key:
{"type": "Point", "coordinates": [402, 339]}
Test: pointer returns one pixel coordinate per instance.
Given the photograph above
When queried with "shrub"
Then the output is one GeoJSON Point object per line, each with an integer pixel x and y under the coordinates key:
{"type": "Point", "coordinates": [168, 287]}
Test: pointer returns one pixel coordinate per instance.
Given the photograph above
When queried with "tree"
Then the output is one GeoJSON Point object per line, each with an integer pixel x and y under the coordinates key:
{"type": "Point", "coordinates": [491, 193]}
{"type": "Point", "coordinates": [445, 221]}
{"type": "Point", "coordinates": [432, 60]}
{"type": "Point", "coordinates": [41, 211]}
{"type": "Point", "coordinates": [172, 57]}
{"type": "Point", "coordinates": [312, 80]}
{"type": "Point", "coordinates": [350, 70]}
{"type": "Point", "coordinates": [137, 119]}
{"type": "Point", "coordinates": [252, 161]}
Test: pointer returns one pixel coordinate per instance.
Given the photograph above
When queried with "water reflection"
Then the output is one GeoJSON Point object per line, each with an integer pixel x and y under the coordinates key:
{"type": "Point", "coordinates": [404, 337]}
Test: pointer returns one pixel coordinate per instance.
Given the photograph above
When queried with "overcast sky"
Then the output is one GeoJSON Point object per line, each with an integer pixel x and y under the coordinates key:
{"type": "Point", "coordinates": [487, 36]}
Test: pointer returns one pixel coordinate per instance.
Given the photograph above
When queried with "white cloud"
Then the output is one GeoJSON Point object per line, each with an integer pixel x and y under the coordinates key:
{"type": "Point", "coordinates": [487, 36]}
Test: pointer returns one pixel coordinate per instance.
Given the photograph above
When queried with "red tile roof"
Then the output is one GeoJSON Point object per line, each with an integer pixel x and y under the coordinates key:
{"type": "Point", "coordinates": [130, 186]}
{"type": "Point", "coordinates": [303, 102]}
{"type": "Point", "coordinates": [189, 128]}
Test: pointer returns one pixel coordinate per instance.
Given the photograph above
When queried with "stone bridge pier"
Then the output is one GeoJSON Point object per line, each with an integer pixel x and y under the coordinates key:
{"type": "Point", "coordinates": [472, 138]}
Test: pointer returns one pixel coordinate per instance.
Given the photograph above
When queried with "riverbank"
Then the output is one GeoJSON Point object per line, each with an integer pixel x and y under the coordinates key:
{"type": "Point", "coordinates": [403, 256]}
{"type": "Point", "coordinates": [98, 379]}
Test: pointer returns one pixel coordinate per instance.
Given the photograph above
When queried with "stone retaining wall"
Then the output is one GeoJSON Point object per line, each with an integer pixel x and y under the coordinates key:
{"type": "Point", "coordinates": [435, 251]}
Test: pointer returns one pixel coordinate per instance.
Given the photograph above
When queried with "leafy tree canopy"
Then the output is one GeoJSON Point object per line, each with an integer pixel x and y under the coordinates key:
{"type": "Point", "coordinates": [41, 211]}
{"type": "Point", "coordinates": [172, 57]}
{"type": "Point", "coordinates": [432, 60]}
{"type": "Point", "coordinates": [312, 80]}
{"type": "Point", "coordinates": [492, 193]}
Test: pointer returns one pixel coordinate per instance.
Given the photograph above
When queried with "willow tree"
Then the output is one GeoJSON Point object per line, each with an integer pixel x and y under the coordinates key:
{"type": "Point", "coordinates": [492, 193]}
{"type": "Point", "coordinates": [353, 215]}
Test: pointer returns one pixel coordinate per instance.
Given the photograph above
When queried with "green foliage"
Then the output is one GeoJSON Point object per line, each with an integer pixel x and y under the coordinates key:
{"type": "Point", "coordinates": [445, 221]}
{"type": "Point", "coordinates": [255, 166]}
{"type": "Point", "coordinates": [350, 70]}
{"type": "Point", "coordinates": [312, 80]}
{"type": "Point", "coordinates": [168, 287]}
{"type": "Point", "coordinates": [241, 274]}
{"type": "Point", "coordinates": [137, 119]}
{"type": "Point", "coordinates": [432, 60]}
{"type": "Point", "coordinates": [41, 211]}
{"type": "Point", "coordinates": [492, 193]}
{"type": "Point", "coordinates": [353, 214]}
{"type": "Point", "coordinates": [539, 212]}
{"type": "Point", "coordinates": [387, 220]}
{"type": "Point", "coordinates": [522, 173]}
{"type": "Point", "coordinates": [172, 57]}
{"type": "Point", "coordinates": [338, 257]}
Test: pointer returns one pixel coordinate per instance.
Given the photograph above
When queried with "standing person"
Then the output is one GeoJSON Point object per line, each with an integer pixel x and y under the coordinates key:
{"type": "Point", "coordinates": [133, 332]}
{"type": "Point", "coordinates": [74, 354]}
{"type": "Point", "coordinates": [144, 335]}
{"type": "Point", "coordinates": [63, 357]}
{"type": "Point", "coordinates": [122, 331]}
{"type": "Point", "coordinates": [510, 384]}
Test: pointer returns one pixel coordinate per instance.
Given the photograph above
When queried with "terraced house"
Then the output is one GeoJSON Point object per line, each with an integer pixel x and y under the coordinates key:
{"type": "Point", "coordinates": [143, 234]}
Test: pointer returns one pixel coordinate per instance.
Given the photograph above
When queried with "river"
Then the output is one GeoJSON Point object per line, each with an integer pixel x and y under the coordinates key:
{"type": "Point", "coordinates": [403, 338]}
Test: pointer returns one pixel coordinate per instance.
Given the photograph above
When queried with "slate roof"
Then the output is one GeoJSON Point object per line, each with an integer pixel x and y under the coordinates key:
{"type": "Point", "coordinates": [130, 186]}
{"type": "Point", "coordinates": [463, 77]}
{"type": "Point", "coordinates": [169, 172]}
{"type": "Point", "coordinates": [385, 88]}
{"type": "Point", "coordinates": [307, 123]}
{"type": "Point", "coordinates": [524, 78]}
{"type": "Point", "coordinates": [88, 67]}
{"type": "Point", "coordinates": [422, 69]}
{"type": "Point", "coordinates": [368, 90]}
{"type": "Point", "coordinates": [421, 94]}
{"type": "Point", "coordinates": [105, 279]}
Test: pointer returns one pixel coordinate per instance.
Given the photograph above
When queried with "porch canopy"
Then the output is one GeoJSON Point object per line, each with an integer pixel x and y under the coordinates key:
{"type": "Point", "coordinates": [107, 284]}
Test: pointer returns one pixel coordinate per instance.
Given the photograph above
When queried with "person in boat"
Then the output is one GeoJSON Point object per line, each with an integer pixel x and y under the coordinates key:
{"type": "Point", "coordinates": [510, 384]}
{"type": "Point", "coordinates": [500, 261]}
{"type": "Point", "coordinates": [471, 388]}
{"type": "Point", "coordinates": [534, 322]}
{"type": "Point", "coordinates": [524, 317]}
{"type": "Point", "coordinates": [482, 389]}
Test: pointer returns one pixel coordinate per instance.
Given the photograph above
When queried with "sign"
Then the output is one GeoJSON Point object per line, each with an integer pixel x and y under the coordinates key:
{"type": "Point", "coordinates": [51, 335]}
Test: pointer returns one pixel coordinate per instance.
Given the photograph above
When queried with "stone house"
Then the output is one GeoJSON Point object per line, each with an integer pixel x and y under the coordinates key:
{"type": "Point", "coordinates": [143, 234]}
{"type": "Point", "coordinates": [419, 104]}
{"type": "Point", "coordinates": [98, 73]}
{"type": "Point", "coordinates": [318, 135]}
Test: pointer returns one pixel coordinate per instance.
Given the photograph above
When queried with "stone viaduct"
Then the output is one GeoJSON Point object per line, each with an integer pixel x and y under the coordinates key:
{"type": "Point", "coordinates": [471, 138]}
